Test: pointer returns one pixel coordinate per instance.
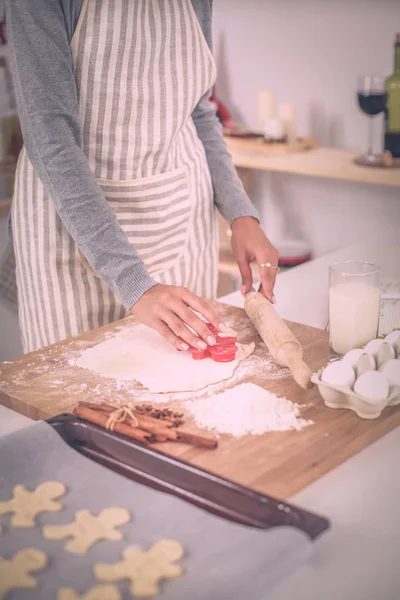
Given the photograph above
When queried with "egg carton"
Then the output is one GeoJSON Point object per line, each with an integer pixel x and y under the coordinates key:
{"type": "Point", "coordinates": [372, 357]}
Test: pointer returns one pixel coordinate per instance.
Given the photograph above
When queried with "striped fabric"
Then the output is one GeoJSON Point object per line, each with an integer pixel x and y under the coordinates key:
{"type": "Point", "coordinates": [154, 213]}
{"type": "Point", "coordinates": [141, 67]}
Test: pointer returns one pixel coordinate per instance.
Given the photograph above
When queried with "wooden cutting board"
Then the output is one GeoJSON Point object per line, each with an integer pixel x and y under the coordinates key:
{"type": "Point", "coordinates": [47, 382]}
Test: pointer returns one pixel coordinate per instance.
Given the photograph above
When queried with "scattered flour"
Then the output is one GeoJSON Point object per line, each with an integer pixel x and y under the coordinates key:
{"type": "Point", "coordinates": [57, 369]}
{"type": "Point", "coordinates": [246, 408]}
{"type": "Point", "coordinates": [141, 354]}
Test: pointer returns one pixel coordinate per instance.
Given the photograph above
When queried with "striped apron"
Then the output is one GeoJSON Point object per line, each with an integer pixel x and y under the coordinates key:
{"type": "Point", "coordinates": [140, 68]}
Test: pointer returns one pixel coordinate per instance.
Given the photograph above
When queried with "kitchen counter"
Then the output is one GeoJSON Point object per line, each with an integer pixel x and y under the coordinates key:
{"type": "Point", "coordinates": [358, 559]}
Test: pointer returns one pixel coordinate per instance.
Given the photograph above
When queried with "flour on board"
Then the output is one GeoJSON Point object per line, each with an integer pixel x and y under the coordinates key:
{"type": "Point", "coordinates": [246, 409]}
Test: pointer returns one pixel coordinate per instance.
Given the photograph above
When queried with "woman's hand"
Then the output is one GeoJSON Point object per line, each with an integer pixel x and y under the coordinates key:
{"type": "Point", "coordinates": [249, 243]}
{"type": "Point", "coordinates": [169, 310]}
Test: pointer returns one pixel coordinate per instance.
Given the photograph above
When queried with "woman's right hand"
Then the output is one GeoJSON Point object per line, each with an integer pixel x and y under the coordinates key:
{"type": "Point", "coordinates": [169, 310]}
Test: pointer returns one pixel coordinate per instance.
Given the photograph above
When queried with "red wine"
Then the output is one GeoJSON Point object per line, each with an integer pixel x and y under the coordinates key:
{"type": "Point", "coordinates": [373, 103]}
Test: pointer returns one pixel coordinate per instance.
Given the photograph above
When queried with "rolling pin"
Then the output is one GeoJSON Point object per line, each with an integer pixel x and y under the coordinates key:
{"type": "Point", "coordinates": [280, 341]}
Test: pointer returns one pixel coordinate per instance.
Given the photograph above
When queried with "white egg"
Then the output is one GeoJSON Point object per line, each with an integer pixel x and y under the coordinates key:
{"type": "Point", "coordinates": [351, 357]}
{"type": "Point", "coordinates": [393, 336]}
{"type": "Point", "coordinates": [373, 347]}
{"type": "Point", "coordinates": [391, 371]}
{"type": "Point", "coordinates": [365, 362]}
{"type": "Point", "coordinates": [338, 373]}
{"type": "Point", "coordinates": [372, 386]}
{"type": "Point", "coordinates": [386, 352]}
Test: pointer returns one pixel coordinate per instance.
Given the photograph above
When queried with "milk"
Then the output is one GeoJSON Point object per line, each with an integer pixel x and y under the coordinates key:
{"type": "Point", "coordinates": [354, 308]}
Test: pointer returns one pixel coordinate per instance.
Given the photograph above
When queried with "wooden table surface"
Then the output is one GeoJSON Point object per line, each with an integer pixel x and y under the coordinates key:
{"type": "Point", "coordinates": [330, 163]}
{"type": "Point", "coordinates": [47, 382]}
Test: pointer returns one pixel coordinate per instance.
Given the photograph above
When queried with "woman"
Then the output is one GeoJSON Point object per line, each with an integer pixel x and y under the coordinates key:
{"type": "Point", "coordinates": [123, 165]}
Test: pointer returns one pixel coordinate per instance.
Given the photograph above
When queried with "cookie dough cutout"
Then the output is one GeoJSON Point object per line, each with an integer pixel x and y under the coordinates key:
{"type": "Point", "coordinates": [145, 569]}
{"type": "Point", "coordinates": [87, 529]}
{"type": "Point", "coordinates": [26, 504]}
{"type": "Point", "coordinates": [228, 333]}
{"type": "Point", "coordinates": [99, 592]}
{"type": "Point", "coordinates": [15, 573]}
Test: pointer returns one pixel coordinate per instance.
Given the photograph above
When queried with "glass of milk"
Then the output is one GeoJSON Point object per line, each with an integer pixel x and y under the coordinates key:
{"type": "Point", "coordinates": [354, 304]}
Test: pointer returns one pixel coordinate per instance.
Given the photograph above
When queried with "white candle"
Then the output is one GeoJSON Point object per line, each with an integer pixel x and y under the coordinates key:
{"type": "Point", "coordinates": [353, 314]}
{"type": "Point", "coordinates": [265, 108]}
{"type": "Point", "coordinates": [287, 114]}
{"type": "Point", "coordinates": [273, 129]}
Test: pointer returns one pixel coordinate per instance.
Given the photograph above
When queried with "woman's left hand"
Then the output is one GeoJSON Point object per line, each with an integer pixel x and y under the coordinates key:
{"type": "Point", "coordinates": [249, 243]}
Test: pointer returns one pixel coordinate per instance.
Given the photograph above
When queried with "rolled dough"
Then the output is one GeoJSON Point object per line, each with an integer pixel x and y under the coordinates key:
{"type": "Point", "coordinates": [140, 354]}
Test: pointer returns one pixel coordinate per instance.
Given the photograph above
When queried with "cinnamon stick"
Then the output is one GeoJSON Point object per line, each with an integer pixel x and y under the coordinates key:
{"type": "Point", "coordinates": [149, 422]}
{"type": "Point", "coordinates": [148, 425]}
{"type": "Point", "coordinates": [196, 440]}
{"type": "Point", "coordinates": [158, 414]}
{"type": "Point", "coordinates": [177, 435]}
{"type": "Point", "coordinates": [108, 408]}
{"type": "Point", "coordinates": [144, 420]}
{"type": "Point", "coordinates": [99, 418]}
{"type": "Point", "coordinates": [147, 429]}
{"type": "Point", "coordinates": [159, 428]}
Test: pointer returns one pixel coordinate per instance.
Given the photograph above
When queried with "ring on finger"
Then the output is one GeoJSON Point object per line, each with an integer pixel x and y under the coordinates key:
{"type": "Point", "coordinates": [269, 266]}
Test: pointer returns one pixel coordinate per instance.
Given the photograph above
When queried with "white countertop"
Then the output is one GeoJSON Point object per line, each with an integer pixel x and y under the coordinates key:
{"type": "Point", "coordinates": [302, 292]}
{"type": "Point", "coordinates": [359, 558]}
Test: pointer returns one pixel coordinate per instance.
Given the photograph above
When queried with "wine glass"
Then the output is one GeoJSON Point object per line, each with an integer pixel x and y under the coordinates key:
{"type": "Point", "coordinates": [372, 101]}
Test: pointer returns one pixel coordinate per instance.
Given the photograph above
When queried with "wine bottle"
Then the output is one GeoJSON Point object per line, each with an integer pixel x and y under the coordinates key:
{"type": "Point", "coordinates": [392, 111]}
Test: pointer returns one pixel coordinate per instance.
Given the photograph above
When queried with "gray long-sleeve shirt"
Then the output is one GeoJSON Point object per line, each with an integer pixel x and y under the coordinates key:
{"type": "Point", "coordinates": [40, 32]}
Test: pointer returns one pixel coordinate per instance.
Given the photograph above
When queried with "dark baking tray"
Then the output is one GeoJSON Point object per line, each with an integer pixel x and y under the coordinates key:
{"type": "Point", "coordinates": [162, 472]}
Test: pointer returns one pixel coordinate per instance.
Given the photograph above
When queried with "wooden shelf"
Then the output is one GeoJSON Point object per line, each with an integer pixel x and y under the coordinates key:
{"type": "Point", "coordinates": [329, 163]}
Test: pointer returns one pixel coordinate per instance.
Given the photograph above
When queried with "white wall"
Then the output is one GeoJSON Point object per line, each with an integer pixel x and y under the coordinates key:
{"type": "Point", "coordinates": [311, 52]}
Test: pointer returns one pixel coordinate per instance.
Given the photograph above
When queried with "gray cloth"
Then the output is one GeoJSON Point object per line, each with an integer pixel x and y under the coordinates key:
{"type": "Point", "coordinates": [8, 284]}
{"type": "Point", "coordinates": [40, 32]}
{"type": "Point", "coordinates": [222, 560]}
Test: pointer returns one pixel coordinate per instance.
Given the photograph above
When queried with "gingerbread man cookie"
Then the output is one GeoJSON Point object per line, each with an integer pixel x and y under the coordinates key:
{"type": "Point", "coordinates": [88, 529]}
{"type": "Point", "coordinates": [99, 592]}
{"type": "Point", "coordinates": [26, 504]}
{"type": "Point", "coordinates": [144, 568]}
{"type": "Point", "coordinates": [15, 573]}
